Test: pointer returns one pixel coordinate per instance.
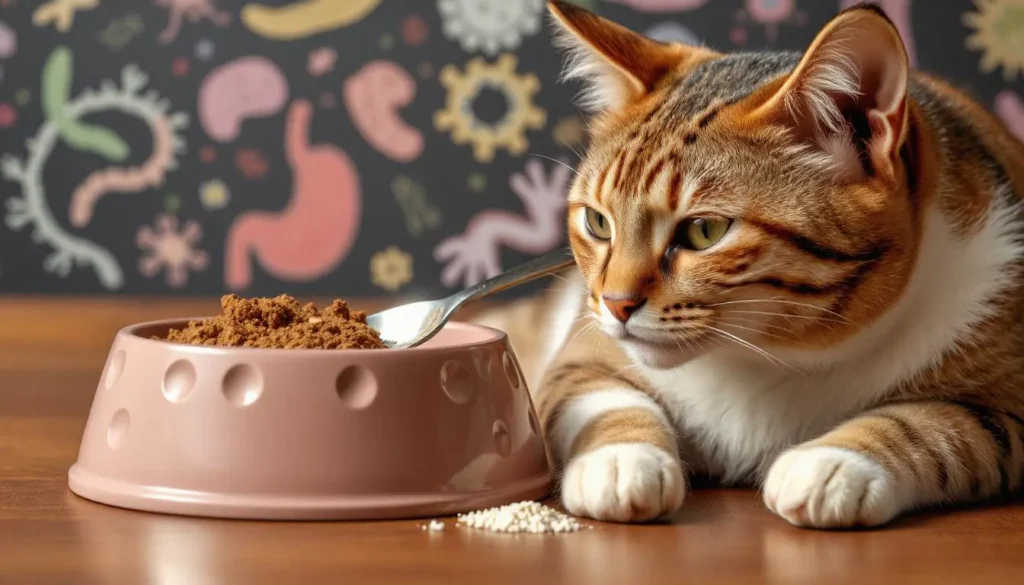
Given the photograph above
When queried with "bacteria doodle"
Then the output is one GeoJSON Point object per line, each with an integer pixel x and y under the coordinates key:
{"type": "Point", "coordinates": [63, 123]}
{"type": "Point", "coordinates": [121, 31]}
{"type": "Point", "coordinates": [194, 10]}
{"type": "Point", "coordinates": [475, 255]}
{"type": "Point", "coordinates": [248, 87]}
{"type": "Point", "coordinates": [316, 230]}
{"type": "Point", "coordinates": [374, 95]}
{"type": "Point", "coordinates": [171, 249]}
{"type": "Point", "coordinates": [419, 214]}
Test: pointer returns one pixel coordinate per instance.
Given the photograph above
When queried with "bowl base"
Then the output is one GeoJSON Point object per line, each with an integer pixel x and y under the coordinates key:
{"type": "Point", "coordinates": [299, 507]}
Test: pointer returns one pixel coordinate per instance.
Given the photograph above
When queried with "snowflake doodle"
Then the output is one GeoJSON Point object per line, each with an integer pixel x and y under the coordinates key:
{"type": "Point", "coordinates": [490, 26]}
{"type": "Point", "coordinates": [172, 250]}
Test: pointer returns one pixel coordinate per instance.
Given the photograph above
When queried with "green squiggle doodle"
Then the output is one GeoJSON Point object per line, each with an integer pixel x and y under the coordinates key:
{"type": "Point", "coordinates": [79, 135]}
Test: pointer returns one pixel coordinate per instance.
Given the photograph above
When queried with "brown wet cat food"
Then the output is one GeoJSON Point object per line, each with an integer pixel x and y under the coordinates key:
{"type": "Point", "coordinates": [281, 322]}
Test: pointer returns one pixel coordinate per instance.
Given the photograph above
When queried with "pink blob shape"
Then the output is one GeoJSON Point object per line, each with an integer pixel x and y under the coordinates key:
{"type": "Point", "coordinates": [1011, 109]}
{"type": "Point", "coordinates": [321, 61]}
{"type": "Point", "coordinates": [373, 96]}
{"type": "Point", "coordinates": [249, 87]}
{"type": "Point", "coordinates": [316, 230]}
{"type": "Point", "coordinates": [8, 115]}
{"type": "Point", "coordinates": [661, 5]}
{"type": "Point", "coordinates": [8, 41]}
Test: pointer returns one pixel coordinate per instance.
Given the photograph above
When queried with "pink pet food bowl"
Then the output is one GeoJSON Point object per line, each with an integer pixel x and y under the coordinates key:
{"type": "Point", "coordinates": [303, 434]}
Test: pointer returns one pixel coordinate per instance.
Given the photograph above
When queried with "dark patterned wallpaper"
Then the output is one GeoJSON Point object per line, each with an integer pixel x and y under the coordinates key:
{"type": "Point", "coordinates": [343, 147]}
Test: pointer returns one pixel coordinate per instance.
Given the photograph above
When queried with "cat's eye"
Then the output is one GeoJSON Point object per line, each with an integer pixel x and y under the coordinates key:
{"type": "Point", "coordinates": [598, 224]}
{"type": "Point", "coordinates": [700, 233]}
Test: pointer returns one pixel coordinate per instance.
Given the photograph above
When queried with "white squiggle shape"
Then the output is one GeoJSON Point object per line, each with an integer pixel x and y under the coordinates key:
{"type": "Point", "coordinates": [474, 255]}
{"type": "Point", "coordinates": [31, 207]}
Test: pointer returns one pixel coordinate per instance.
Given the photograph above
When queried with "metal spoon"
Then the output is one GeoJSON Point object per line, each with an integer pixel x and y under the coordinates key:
{"type": "Point", "coordinates": [412, 324]}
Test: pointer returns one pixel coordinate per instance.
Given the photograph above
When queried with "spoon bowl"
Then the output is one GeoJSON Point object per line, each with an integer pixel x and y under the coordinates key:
{"type": "Point", "coordinates": [413, 324]}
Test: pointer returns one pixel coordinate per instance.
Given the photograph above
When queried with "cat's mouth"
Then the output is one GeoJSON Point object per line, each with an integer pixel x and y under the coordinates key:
{"type": "Point", "coordinates": [654, 348]}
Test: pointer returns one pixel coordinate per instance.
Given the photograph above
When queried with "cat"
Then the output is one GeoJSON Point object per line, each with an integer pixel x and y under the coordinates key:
{"type": "Point", "coordinates": [797, 271]}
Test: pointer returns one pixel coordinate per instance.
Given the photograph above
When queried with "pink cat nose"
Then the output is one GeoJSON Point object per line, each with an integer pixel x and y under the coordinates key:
{"type": "Point", "coordinates": [622, 306]}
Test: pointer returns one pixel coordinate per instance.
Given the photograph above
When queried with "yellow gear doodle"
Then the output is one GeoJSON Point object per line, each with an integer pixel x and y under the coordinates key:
{"type": "Point", "coordinates": [509, 132]}
{"type": "Point", "coordinates": [999, 33]}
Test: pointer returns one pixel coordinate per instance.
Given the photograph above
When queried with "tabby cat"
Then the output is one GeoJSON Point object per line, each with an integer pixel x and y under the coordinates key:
{"type": "Point", "coordinates": [798, 271]}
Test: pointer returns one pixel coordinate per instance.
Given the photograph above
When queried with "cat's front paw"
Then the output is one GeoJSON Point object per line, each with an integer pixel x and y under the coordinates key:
{"type": "Point", "coordinates": [625, 482]}
{"type": "Point", "coordinates": [828, 487]}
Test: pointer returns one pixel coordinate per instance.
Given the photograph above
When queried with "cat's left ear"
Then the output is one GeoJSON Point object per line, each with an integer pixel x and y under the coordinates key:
{"type": "Point", "coordinates": [851, 84]}
{"type": "Point", "coordinates": [618, 66]}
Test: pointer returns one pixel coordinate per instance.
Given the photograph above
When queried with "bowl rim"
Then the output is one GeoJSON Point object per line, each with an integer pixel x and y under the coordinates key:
{"type": "Point", "coordinates": [132, 332]}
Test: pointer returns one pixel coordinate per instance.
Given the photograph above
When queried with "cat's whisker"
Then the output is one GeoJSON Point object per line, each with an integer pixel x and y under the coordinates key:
{"type": "Point", "coordinates": [744, 343]}
{"type": "Point", "coordinates": [783, 302]}
{"type": "Point", "coordinates": [555, 160]}
{"type": "Point", "coordinates": [786, 315]}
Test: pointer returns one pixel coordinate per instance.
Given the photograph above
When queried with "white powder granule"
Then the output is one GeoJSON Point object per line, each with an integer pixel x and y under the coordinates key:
{"type": "Point", "coordinates": [434, 526]}
{"type": "Point", "coordinates": [532, 517]}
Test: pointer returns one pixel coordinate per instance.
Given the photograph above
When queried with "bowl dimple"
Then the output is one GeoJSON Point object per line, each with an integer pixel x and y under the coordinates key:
{"type": "Point", "coordinates": [502, 440]}
{"type": "Point", "coordinates": [179, 381]}
{"type": "Point", "coordinates": [456, 381]}
{"type": "Point", "coordinates": [114, 369]}
{"type": "Point", "coordinates": [356, 387]}
{"type": "Point", "coordinates": [242, 385]}
{"type": "Point", "coordinates": [511, 371]}
{"type": "Point", "coordinates": [119, 424]}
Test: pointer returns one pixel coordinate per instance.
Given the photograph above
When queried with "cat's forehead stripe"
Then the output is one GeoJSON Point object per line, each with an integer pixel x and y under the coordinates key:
{"type": "Point", "coordinates": [727, 80]}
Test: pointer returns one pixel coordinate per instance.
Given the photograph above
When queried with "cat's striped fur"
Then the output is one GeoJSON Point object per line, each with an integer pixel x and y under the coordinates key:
{"type": "Point", "coordinates": [853, 344]}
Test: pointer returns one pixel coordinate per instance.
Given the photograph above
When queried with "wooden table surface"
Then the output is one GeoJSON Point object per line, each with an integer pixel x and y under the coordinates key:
{"type": "Point", "coordinates": [48, 535]}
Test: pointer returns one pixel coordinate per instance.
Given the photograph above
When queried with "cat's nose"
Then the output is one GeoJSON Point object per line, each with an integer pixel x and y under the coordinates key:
{"type": "Point", "coordinates": [622, 306]}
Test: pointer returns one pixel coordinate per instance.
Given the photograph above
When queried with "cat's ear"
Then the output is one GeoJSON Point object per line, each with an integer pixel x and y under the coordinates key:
{"type": "Point", "coordinates": [616, 65]}
{"type": "Point", "coordinates": [851, 84]}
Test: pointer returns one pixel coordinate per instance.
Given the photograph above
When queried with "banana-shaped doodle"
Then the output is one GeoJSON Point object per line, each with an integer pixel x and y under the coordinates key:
{"type": "Point", "coordinates": [304, 18]}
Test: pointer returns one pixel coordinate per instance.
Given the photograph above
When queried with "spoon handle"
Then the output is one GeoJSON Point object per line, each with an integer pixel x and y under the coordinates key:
{"type": "Point", "coordinates": [532, 270]}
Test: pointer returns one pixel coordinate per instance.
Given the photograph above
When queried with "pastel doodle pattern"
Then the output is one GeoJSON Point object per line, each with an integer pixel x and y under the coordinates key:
{"type": "Point", "coordinates": [1011, 109]}
{"type": "Point", "coordinates": [63, 124]}
{"type": "Point", "coordinates": [374, 95]}
{"type": "Point", "coordinates": [315, 232]}
{"type": "Point", "coordinates": [247, 87]}
{"type": "Point", "coordinates": [8, 41]}
{"type": "Point", "coordinates": [194, 10]}
{"type": "Point", "coordinates": [172, 249]}
{"type": "Point", "coordinates": [490, 26]}
{"type": "Point", "coordinates": [656, 6]}
{"type": "Point", "coordinates": [475, 255]}
{"type": "Point", "coordinates": [61, 13]}
{"type": "Point", "coordinates": [304, 18]}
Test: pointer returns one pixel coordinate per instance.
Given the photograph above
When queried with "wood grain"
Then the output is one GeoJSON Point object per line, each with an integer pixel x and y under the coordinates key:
{"type": "Point", "coordinates": [49, 536]}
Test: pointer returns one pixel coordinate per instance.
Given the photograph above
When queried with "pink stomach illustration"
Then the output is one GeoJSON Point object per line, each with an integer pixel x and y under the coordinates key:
{"type": "Point", "coordinates": [315, 232]}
